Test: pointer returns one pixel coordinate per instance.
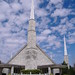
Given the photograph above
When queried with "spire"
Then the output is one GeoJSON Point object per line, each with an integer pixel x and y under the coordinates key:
{"type": "Point", "coordinates": [65, 48]}
{"type": "Point", "coordinates": [31, 28]}
{"type": "Point", "coordinates": [32, 10]}
{"type": "Point", "coordinates": [65, 53]}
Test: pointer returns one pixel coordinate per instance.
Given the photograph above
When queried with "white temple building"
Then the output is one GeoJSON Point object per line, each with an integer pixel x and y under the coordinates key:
{"type": "Point", "coordinates": [31, 56]}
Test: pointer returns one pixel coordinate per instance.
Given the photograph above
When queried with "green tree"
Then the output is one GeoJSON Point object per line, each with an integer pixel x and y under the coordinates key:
{"type": "Point", "coordinates": [66, 71]}
{"type": "Point", "coordinates": [64, 63]}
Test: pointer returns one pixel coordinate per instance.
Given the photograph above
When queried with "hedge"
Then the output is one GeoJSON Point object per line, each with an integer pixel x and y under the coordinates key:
{"type": "Point", "coordinates": [35, 71]}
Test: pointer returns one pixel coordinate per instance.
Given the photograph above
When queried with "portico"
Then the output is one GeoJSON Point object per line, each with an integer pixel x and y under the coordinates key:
{"type": "Point", "coordinates": [8, 68]}
{"type": "Point", "coordinates": [52, 69]}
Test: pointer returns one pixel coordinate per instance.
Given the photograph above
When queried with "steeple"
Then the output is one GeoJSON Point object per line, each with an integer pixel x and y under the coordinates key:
{"type": "Point", "coordinates": [32, 10]}
{"type": "Point", "coordinates": [65, 48]}
{"type": "Point", "coordinates": [65, 53]}
{"type": "Point", "coordinates": [31, 28]}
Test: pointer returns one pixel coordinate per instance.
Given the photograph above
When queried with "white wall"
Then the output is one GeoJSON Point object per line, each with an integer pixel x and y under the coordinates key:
{"type": "Point", "coordinates": [56, 71]}
{"type": "Point", "coordinates": [6, 71]}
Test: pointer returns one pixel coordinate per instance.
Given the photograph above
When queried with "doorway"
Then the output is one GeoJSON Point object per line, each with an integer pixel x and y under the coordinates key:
{"type": "Point", "coordinates": [3, 74]}
{"type": "Point", "coordinates": [57, 74]}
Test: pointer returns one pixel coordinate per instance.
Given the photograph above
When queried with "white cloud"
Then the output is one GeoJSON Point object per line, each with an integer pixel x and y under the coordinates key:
{"type": "Point", "coordinates": [72, 20]}
{"type": "Point", "coordinates": [16, 7]}
{"type": "Point", "coordinates": [41, 39]}
{"type": "Point", "coordinates": [43, 36]}
{"type": "Point", "coordinates": [59, 5]}
{"type": "Point", "coordinates": [16, 41]}
{"type": "Point", "coordinates": [26, 4]}
{"type": "Point", "coordinates": [53, 41]}
{"type": "Point", "coordinates": [61, 29]}
{"type": "Point", "coordinates": [5, 9]}
{"type": "Point", "coordinates": [55, 1]}
{"type": "Point", "coordinates": [2, 17]}
{"type": "Point", "coordinates": [4, 30]}
{"type": "Point", "coordinates": [61, 12]}
{"type": "Point", "coordinates": [41, 12]}
{"type": "Point", "coordinates": [64, 27]}
{"type": "Point", "coordinates": [46, 32]}
{"type": "Point", "coordinates": [64, 20]}
{"type": "Point", "coordinates": [71, 38]}
{"type": "Point", "coordinates": [43, 24]}
{"type": "Point", "coordinates": [51, 38]}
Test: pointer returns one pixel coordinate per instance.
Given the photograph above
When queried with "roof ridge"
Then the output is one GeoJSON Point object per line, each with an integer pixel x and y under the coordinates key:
{"type": "Point", "coordinates": [17, 53]}
{"type": "Point", "coordinates": [45, 54]}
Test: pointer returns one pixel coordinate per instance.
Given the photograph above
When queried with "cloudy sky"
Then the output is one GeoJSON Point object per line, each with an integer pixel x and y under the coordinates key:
{"type": "Point", "coordinates": [54, 19]}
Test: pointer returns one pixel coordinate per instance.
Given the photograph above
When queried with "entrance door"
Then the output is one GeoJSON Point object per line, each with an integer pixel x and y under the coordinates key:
{"type": "Point", "coordinates": [57, 74]}
{"type": "Point", "coordinates": [3, 74]}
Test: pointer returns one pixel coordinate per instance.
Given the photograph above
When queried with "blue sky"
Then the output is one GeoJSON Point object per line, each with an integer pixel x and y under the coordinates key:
{"type": "Point", "coordinates": [54, 19]}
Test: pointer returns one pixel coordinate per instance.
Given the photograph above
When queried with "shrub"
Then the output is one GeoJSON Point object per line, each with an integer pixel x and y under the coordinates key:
{"type": "Point", "coordinates": [64, 63]}
{"type": "Point", "coordinates": [51, 74]}
{"type": "Point", "coordinates": [35, 71]}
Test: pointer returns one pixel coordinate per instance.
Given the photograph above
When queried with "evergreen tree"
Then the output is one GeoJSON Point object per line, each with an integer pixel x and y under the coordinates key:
{"type": "Point", "coordinates": [66, 71]}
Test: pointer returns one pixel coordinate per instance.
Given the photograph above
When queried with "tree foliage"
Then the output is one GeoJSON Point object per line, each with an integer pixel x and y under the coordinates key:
{"type": "Point", "coordinates": [66, 71]}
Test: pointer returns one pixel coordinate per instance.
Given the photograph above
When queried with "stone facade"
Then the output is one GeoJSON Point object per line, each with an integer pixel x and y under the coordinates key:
{"type": "Point", "coordinates": [31, 58]}
{"type": "Point", "coordinates": [31, 34]}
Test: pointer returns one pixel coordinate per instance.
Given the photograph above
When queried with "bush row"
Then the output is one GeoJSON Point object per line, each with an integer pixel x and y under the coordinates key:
{"type": "Point", "coordinates": [36, 71]}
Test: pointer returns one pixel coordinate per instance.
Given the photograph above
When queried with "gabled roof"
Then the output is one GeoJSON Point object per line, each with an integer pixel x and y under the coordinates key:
{"type": "Point", "coordinates": [46, 54]}
{"type": "Point", "coordinates": [39, 49]}
{"type": "Point", "coordinates": [16, 54]}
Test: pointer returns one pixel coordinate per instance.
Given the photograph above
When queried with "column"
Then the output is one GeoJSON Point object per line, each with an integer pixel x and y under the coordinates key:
{"type": "Point", "coordinates": [21, 74]}
{"type": "Point", "coordinates": [60, 71]}
{"type": "Point", "coordinates": [12, 70]}
{"type": "Point", "coordinates": [49, 70]}
{"type": "Point", "coordinates": [30, 73]}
